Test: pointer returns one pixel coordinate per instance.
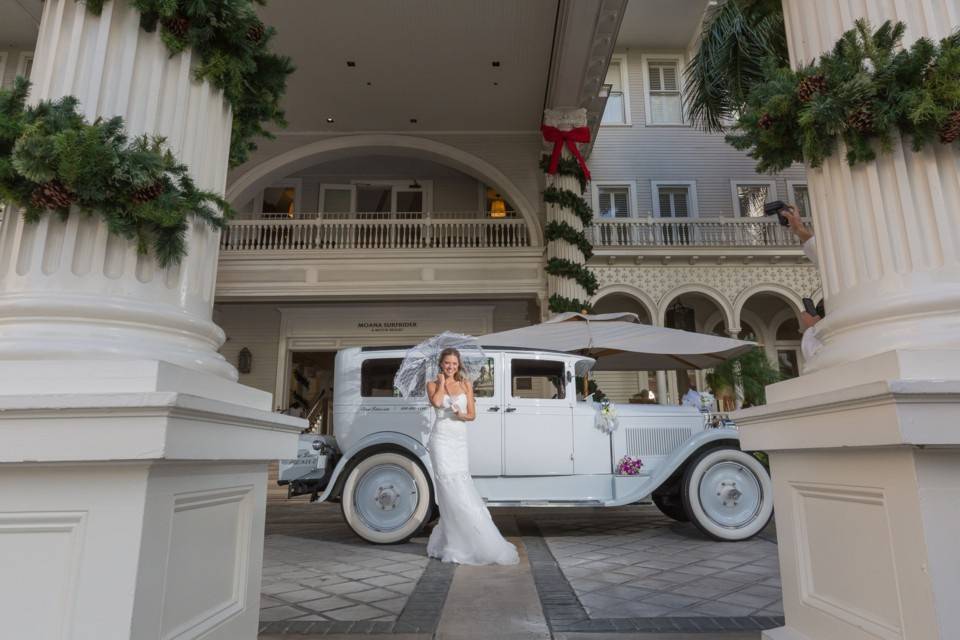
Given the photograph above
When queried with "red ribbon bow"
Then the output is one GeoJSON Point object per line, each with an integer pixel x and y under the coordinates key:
{"type": "Point", "coordinates": [570, 138]}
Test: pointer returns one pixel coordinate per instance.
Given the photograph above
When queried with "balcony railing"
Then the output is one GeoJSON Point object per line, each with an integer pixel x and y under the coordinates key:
{"type": "Point", "coordinates": [316, 232]}
{"type": "Point", "coordinates": [696, 232]}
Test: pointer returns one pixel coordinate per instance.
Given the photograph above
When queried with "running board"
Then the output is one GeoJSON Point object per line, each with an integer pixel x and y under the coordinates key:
{"type": "Point", "coordinates": [545, 503]}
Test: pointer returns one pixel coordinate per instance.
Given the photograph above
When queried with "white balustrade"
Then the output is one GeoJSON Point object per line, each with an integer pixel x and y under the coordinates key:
{"type": "Point", "coordinates": [698, 232]}
{"type": "Point", "coordinates": [352, 231]}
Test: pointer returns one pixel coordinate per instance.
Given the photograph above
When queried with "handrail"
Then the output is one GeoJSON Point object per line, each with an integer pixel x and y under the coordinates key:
{"type": "Point", "coordinates": [693, 232]}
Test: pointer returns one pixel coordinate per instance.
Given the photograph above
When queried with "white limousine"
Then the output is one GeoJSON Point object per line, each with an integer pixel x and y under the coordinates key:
{"type": "Point", "coordinates": [533, 444]}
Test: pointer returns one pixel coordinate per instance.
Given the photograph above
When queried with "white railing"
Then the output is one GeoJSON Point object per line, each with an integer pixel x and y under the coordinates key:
{"type": "Point", "coordinates": [304, 234]}
{"type": "Point", "coordinates": [697, 232]}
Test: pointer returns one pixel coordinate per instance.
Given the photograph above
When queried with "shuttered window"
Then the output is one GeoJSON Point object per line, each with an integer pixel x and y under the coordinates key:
{"type": "Point", "coordinates": [666, 105]}
{"type": "Point", "coordinates": [674, 201]}
{"type": "Point", "coordinates": [801, 198]}
{"type": "Point", "coordinates": [614, 112]}
{"type": "Point", "coordinates": [613, 202]}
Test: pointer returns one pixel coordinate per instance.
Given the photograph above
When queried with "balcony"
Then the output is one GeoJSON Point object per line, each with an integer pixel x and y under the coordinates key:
{"type": "Point", "coordinates": [374, 231]}
{"type": "Point", "coordinates": [748, 233]}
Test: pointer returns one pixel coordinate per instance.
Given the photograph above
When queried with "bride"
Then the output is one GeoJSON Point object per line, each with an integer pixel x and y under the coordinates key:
{"type": "Point", "coordinates": [465, 533]}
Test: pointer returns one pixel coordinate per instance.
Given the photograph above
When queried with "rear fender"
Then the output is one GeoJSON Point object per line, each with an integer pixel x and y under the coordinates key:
{"type": "Point", "coordinates": [389, 439]}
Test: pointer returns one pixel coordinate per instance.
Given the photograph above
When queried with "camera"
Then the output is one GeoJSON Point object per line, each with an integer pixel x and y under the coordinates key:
{"type": "Point", "coordinates": [814, 309]}
{"type": "Point", "coordinates": [776, 207]}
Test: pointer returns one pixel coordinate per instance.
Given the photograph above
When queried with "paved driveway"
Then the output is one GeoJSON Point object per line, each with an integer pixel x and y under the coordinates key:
{"type": "Point", "coordinates": [626, 569]}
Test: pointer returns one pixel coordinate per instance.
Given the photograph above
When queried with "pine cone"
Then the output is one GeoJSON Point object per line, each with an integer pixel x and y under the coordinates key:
{"type": "Point", "coordinates": [861, 120]}
{"type": "Point", "coordinates": [146, 194]}
{"type": "Point", "coordinates": [255, 32]}
{"type": "Point", "coordinates": [950, 132]}
{"type": "Point", "coordinates": [809, 87]}
{"type": "Point", "coordinates": [177, 25]}
{"type": "Point", "coordinates": [766, 121]}
{"type": "Point", "coordinates": [52, 195]}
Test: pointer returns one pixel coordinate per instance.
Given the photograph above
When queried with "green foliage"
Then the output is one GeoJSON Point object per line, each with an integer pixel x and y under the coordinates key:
{"type": "Point", "coordinates": [560, 304]}
{"type": "Point", "coordinates": [570, 200]}
{"type": "Point", "coordinates": [563, 231]}
{"type": "Point", "coordinates": [756, 372]}
{"type": "Point", "coordinates": [739, 37]}
{"type": "Point", "coordinates": [873, 90]}
{"type": "Point", "coordinates": [231, 47]}
{"type": "Point", "coordinates": [136, 186]}
{"type": "Point", "coordinates": [566, 166]}
{"type": "Point", "coordinates": [567, 269]}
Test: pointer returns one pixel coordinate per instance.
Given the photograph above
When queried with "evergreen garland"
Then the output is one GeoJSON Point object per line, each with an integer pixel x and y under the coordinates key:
{"type": "Point", "coordinates": [230, 44]}
{"type": "Point", "coordinates": [560, 304]}
{"type": "Point", "coordinates": [570, 200]}
{"type": "Point", "coordinates": [863, 92]}
{"type": "Point", "coordinates": [563, 231]}
{"type": "Point", "coordinates": [567, 166]}
{"type": "Point", "coordinates": [566, 269]}
{"type": "Point", "coordinates": [52, 159]}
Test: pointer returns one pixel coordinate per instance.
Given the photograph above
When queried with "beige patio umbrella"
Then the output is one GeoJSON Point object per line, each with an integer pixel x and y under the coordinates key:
{"type": "Point", "coordinates": [620, 342]}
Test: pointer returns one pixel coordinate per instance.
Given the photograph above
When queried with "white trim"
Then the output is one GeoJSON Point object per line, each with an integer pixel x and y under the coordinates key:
{"type": "Point", "coordinates": [680, 59]}
{"type": "Point", "coordinates": [3, 68]}
{"type": "Point", "coordinates": [693, 203]}
{"type": "Point", "coordinates": [631, 196]}
{"type": "Point", "coordinates": [296, 183]}
{"type": "Point", "coordinates": [621, 59]}
{"type": "Point", "coordinates": [791, 195]}
{"type": "Point", "coordinates": [735, 182]}
{"type": "Point", "coordinates": [338, 187]}
{"type": "Point", "coordinates": [22, 61]}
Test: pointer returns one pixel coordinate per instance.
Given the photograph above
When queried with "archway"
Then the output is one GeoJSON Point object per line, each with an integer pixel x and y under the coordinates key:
{"type": "Point", "coordinates": [774, 314]}
{"type": "Point", "coordinates": [627, 386]}
{"type": "Point", "coordinates": [268, 171]}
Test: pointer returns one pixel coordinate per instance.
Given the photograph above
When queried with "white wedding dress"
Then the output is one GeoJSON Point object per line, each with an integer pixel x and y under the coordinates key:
{"type": "Point", "coordinates": [465, 533]}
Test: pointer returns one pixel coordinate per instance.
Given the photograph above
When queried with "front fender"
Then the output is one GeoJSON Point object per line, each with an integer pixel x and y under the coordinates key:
{"type": "Point", "coordinates": [402, 440]}
{"type": "Point", "coordinates": [677, 459]}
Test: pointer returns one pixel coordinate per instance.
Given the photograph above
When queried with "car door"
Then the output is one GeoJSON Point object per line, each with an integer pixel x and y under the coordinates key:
{"type": "Point", "coordinates": [537, 416]}
{"type": "Point", "coordinates": [485, 433]}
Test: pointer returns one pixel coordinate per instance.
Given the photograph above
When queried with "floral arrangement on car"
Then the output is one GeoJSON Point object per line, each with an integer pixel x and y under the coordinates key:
{"type": "Point", "coordinates": [629, 466]}
{"type": "Point", "coordinates": [607, 420]}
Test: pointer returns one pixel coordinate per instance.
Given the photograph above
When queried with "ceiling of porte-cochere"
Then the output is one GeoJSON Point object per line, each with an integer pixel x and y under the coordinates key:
{"type": "Point", "coordinates": [19, 23]}
{"type": "Point", "coordinates": [428, 60]}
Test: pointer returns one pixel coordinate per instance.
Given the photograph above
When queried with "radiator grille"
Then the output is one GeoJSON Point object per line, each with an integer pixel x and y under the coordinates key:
{"type": "Point", "coordinates": [656, 441]}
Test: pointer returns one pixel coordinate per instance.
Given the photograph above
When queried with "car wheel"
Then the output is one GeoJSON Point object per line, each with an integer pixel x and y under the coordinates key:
{"type": "Point", "coordinates": [386, 498]}
{"type": "Point", "coordinates": [727, 494]}
{"type": "Point", "coordinates": [671, 505]}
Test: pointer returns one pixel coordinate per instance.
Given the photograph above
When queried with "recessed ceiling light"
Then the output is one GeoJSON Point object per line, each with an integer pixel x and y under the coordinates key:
{"type": "Point", "coordinates": [369, 84]}
{"type": "Point", "coordinates": [329, 120]}
{"type": "Point", "coordinates": [496, 84]}
{"type": "Point", "coordinates": [495, 63]}
{"type": "Point", "coordinates": [351, 63]}
{"type": "Point", "coordinates": [413, 121]}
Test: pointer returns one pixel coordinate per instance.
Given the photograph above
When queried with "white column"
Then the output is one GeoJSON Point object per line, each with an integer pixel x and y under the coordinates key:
{"type": "Point", "coordinates": [564, 120]}
{"type": "Point", "coordinates": [864, 446]}
{"type": "Point", "coordinates": [132, 465]}
{"type": "Point", "coordinates": [70, 289]}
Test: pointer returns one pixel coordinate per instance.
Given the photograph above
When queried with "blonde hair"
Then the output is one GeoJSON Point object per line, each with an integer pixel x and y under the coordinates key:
{"type": "Point", "coordinates": [450, 351]}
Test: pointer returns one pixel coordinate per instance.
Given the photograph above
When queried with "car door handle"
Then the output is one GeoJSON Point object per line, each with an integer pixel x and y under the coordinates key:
{"type": "Point", "coordinates": [509, 409]}
{"type": "Point", "coordinates": [494, 409]}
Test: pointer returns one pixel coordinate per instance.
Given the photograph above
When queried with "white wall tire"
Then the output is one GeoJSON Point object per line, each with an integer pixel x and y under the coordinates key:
{"type": "Point", "coordinates": [386, 498]}
{"type": "Point", "coordinates": [728, 494]}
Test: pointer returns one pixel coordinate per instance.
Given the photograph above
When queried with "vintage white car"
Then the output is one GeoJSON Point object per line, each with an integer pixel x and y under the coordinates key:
{"type": "Point", "coordinates": [533, 444]}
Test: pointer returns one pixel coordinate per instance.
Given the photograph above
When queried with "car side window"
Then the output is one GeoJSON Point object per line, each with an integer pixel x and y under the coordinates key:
{"type": "Point", "coordinates": [537, 379]}
{"type": "Point", "coordinates": [376, 377]}
{"type": "Point", "coordinates": [485, 384]}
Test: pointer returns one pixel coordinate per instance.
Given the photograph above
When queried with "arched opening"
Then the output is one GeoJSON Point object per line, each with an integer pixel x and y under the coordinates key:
{"type": "Point", "coordinates": [699, 311]}
{"type": "Point", "coordinates": [627, 386]}
{"type": "Point", "coordinates": [775, 323]}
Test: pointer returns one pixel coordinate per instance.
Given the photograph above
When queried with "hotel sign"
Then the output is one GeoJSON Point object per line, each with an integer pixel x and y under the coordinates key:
{"type": "Point", "coordinates": [396, 326]}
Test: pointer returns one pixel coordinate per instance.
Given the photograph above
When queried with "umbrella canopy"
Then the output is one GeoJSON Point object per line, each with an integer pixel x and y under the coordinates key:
{"type": "Point", "coordinates": [620, 342]}
{"type": "Point", "coordinates": [421, 362]}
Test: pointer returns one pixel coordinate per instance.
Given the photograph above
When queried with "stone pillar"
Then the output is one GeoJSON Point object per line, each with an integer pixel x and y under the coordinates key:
{"type": "Point", "coordinates": [864, 446]}
{"type": "Point", "coordinates": [564, 287]}
{"type": "Point", "coordinates": [132, 467]}
{"type": "Point", "coordinates": [661, 387]}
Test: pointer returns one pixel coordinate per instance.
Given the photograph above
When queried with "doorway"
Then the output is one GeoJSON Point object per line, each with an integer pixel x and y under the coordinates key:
{"type": "Point", "coordinates": [311, 388]}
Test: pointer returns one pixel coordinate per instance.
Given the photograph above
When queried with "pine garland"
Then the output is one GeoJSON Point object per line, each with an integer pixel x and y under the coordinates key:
{"type": "Point", "coordinates": [560, 304]}
{"type": "Point", "coordinates": [231, 45]}
{"type": "Point", "coordinates": [863, 92]}
{"type": "Point", "coordinates": [52, 159]}
{"type": "Point", "coordinates": [570, 200]}
{"type": "Point", "coordinates": [566, 269]}
{"type": "Point", "coordinates": [567, 166]}
{"type": "Point", "coordinates": [563, 231]}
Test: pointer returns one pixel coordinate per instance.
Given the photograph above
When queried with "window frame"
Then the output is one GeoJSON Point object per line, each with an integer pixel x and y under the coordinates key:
{"type": "Point", "coordinates": [631, 187]}
{"type": "Point", "coordinates": [693, 205]}
{"type": "Point", "coordinates": [791, 194]}
{"type": "Point", "coordinates": [3, 68]}
{"type": "Point", "coordinates": [621, 60]}
{"type": "Point", "coordinates": [645, 60]}
{"type": "Point", "coordinates": [426, 187]}
{"type": "Point", "coordinates": [321, 196]}
{"type": "Point", "coordinates": [296, 183]}
{"type": "Point", "coordinates": [25, 56]}
{"type": "Point", "coordinates": [772, 193]}
{"type": "Point", "coordinates": [564, 383]}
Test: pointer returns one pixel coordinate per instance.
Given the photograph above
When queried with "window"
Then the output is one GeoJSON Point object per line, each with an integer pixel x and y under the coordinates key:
{"type": "Point", "coordinates": [673, 200]}
{"type": "Point", "coordinates": [664, 101]}
{"type": "Point", "coordinates": [336, 198]}
{"type": "Point", "coordinates": [25, 65]}
{"type": "Point", "coordinates": [788, 363]}
{"type": "Point", "coordinates": [617, 110]}
{"type": "Point", "coordinates": [3, 67]}
{"type": "Point", "coordinates": [374, 198]}
{"type": "Point", "coordinates": [494, 204]}
{"type": "Point", "coordinates": [538, 379]}
{"type": "Point", "coordinates": [485, 384]}
{"type": "Point", "coordinates": [376, 377]}
{"type": "Point", "coordinates": [799, 195]}
{"type": "Point", "coordinates": [750, 196]}
{"type": "Point", "coordinates": [613, 202]}
{"type": "Point", "coordinates": [280, 200]}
